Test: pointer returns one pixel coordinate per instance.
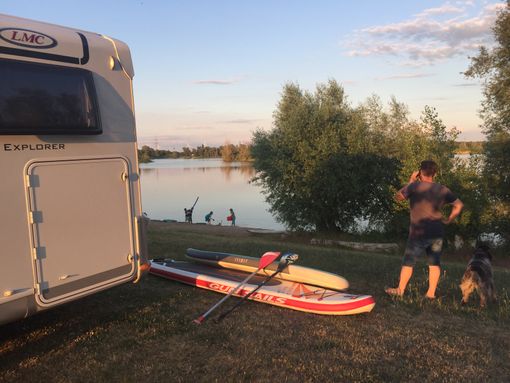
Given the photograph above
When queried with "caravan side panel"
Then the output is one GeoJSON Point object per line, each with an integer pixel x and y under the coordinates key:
{"type": "Point", "coordinates": [70, 193]}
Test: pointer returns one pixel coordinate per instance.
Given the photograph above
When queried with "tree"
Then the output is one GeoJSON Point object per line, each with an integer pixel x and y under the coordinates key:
{"type": "Point", "coordinates": [325, 164]}
{"type": "Point", "coordinates": [492, 66]}
{"type": "Point", "coordinates": [145, 154]}
{"type": "Point", "coordinates": [228, 152]}
{"type": "Point", "coordinates": [440, 143]}
{"type": "Point", "coordinates": [318, 166]}
{"type": "Point", "coordinates": [244, 152]}
{"type": "Point", "coordinates": [410, 142]}
{"type": "Point", "coordinates": [186, 152]}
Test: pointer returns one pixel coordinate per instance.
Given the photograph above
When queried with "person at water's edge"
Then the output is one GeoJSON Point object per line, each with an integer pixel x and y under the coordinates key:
{"type": "Point", "coordinates": [188, 215]}
{"type": "Point", "coordinates": [232, 217]}
{"type": "Point", "coordinates": [426, 230]}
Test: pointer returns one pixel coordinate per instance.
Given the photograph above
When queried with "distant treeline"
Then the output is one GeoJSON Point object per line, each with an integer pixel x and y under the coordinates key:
{"type": "Point", "coordinates": [242, 152]}
{"type": "Point", "coordinates": [469, 147]}
{"type": "Point", "coordinates": [228, 152]}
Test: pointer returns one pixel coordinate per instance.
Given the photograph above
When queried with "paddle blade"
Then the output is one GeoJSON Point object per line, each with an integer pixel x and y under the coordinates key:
{"type": "Point", "coordinates": [199, 320]}
{"type": "Point", "coordinates": [268, 258]}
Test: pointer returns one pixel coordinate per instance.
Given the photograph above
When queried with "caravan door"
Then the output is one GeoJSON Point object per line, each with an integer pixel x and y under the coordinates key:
{"type": "Point", "coordinates": [81, 226]}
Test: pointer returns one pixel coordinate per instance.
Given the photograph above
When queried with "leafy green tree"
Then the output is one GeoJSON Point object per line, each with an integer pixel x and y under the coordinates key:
{"type": "Point", "coordinates": [244, 152]}
{"type": "Point", "coordinates": [493, 67]}
{"type": "Point", "coordinates": [411, 142]}
{"type": "Point", "coordinates": [145, 154]}
{"type": "Point", "coordinates": [326, 165]}
{"type": "Point", "coordinates": [186, 152]}
{"type": "Point", "coordinates": [440, 142]}
{"type": "Point", "coordinates": [228, 152]}
{"type": "Point", "coordinates": [318, 166]}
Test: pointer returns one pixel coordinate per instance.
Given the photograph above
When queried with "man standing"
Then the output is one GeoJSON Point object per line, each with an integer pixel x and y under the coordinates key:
{"type": "Point", "coordinates": [426, 229]}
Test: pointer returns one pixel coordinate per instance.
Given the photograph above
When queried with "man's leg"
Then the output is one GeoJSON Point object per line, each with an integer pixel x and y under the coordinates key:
{"type": "Point", "coordinates": [405, 275]}
{"type": "Point", "coordinates": [434, 274]}
{"type": "Point", "coordinates": [434, 260]}
{"type": "Point", "coordinates": [411, 251]}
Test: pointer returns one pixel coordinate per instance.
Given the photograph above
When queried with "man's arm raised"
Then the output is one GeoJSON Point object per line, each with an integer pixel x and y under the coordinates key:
{"type": "Point", "coordinates": [402, 193]}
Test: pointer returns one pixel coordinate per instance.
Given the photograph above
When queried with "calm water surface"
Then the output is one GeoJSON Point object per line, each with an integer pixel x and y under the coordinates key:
{"type": "Point", "coordinates": [168, 186]}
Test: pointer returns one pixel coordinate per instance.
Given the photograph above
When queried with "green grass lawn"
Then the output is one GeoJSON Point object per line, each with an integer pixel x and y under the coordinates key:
{"type": "Point", "coordinates": [145, 332]}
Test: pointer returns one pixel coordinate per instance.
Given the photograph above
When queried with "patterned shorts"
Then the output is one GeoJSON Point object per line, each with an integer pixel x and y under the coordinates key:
{"type": "Point", "coordinates": [432, 248]}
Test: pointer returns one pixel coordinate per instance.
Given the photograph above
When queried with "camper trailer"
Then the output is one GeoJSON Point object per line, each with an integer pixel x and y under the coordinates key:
{"type": "Point", "coordinates": [70, 204]}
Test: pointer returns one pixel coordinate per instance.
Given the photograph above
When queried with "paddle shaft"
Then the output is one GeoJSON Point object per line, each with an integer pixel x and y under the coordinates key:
{"type": "Point", "coordinates": [202, 317]}
{"type": "Point", "coordinates": [195, 203]}
{"type": "Point", "coordinates": [265, 260]}
{"type": "Point", "coordinates": [249, 294]}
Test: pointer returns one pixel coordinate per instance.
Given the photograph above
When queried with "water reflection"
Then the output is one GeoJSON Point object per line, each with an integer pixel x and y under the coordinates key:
{"type": "Point", "coordinates": [245, 170]}
{"type": "Point", "coordinates": [169, 186]}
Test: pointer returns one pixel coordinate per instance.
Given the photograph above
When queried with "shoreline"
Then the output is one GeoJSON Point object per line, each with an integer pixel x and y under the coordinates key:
{"type": "Point", "coordinates": [310, 239]}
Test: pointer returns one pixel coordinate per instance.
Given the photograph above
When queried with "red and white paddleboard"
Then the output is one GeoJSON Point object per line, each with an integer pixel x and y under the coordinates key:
{"type": "Point", "coordinates": [288, 294]}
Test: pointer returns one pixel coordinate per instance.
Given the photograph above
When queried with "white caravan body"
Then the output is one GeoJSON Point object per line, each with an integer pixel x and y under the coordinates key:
{"type": "Point", "coordinates": [72, 222]}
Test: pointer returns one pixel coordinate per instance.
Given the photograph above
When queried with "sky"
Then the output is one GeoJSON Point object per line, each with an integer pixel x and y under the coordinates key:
{"type": "Point", "coordinates": [207, 72]}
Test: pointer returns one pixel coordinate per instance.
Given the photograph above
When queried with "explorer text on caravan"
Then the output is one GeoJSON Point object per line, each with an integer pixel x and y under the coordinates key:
{"type": "Point", "coordinates": [23, 147]}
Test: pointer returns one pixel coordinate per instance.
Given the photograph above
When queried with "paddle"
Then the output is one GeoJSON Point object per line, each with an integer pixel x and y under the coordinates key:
{"type": "Point", "coordinates": [195, 203]}
{"type": "Point", "coordinates": [264, 261]}
{"type": "Point", "coordinates": [285, 260]}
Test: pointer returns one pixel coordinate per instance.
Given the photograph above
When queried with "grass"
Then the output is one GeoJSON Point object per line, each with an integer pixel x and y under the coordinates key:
{"type": "Point", "coordinates": [144, 332]}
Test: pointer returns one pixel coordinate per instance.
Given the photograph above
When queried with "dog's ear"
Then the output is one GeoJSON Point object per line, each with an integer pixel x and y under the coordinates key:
{"type": "Point", "coordinates": [482, 246]}
{"type": "Point", "coordinates": [483, 252]}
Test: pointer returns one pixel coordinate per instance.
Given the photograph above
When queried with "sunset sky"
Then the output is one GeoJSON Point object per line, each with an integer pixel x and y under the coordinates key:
{"type": "Point", "coordinates": [210, 71]}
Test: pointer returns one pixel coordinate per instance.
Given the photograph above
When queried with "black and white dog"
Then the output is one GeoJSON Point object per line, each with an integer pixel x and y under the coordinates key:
{"type": "Point", "coordinates": [478, 276]}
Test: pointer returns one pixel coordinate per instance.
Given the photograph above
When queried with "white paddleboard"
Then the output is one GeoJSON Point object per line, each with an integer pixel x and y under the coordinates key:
{"type": "Point", "coordinates": [293, 273]}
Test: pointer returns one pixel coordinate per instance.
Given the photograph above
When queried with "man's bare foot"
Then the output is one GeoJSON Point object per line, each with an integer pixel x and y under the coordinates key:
{"type": "Point", "coordinates": [394, 291]}
{"type": "Point", "coordinates": [431, 297]}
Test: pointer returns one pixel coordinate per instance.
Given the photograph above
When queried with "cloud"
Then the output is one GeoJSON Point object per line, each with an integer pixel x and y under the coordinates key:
{"type": "Point", "coordinates": [404, 76]}
{"type": "Point", "coordinates": [216, 82]}
{"type": "Point", "coordinates": [466, 84]}
{"type": "Point", "coordinates": [425, 40]}
{"type": "Point", "coordinates": [445, 9]}
{"type": "Point", "coordinates": [195, 128]}
{"type": "Point", "coordinates": [241, 121]}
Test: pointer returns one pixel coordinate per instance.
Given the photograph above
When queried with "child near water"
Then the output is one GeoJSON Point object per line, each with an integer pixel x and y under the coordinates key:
{"type": "Point", "coordinates": [232, 217]}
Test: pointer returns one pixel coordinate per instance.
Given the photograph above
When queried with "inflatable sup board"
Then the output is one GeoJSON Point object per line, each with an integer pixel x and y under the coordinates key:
{"type": "Point", "coordinates": [292, 273]}
{"type": "Point", "coordinates": [282, 293]}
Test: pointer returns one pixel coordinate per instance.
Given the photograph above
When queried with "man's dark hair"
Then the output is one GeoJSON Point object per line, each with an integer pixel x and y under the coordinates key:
{"type": "Point", "coordinates": [428, 168]}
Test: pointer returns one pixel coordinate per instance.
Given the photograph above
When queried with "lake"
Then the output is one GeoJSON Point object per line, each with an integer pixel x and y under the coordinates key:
{"type": "Point", "coordinates": [169, 186]}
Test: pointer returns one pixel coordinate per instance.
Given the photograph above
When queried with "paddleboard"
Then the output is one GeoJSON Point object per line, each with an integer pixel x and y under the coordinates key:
{"type": "Point", "coordinates": [282, 293]}
{"type": "Point", "coordinates": [292, 273]}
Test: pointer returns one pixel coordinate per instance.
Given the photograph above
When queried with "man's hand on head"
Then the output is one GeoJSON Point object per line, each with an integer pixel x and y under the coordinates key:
{"type": "Point", "coordinates": [414, 177]}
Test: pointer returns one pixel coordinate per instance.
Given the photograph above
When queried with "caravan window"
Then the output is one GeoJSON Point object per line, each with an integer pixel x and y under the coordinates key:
{"type": "Point", "coordinates": [46, 99]}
